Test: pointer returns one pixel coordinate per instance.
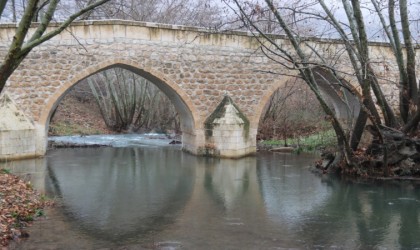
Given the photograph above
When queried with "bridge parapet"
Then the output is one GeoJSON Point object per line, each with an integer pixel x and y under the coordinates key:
{"type": "Point", "coordinates": [111, 31]}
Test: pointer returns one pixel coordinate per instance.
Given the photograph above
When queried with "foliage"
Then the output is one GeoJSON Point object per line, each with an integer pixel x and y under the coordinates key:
{"type": "Point", "coordinates": [65, 128]}
{"type": "Point", "coordinates": [316, 141]}
{"type": "Point", "coordinates": [4, 171]}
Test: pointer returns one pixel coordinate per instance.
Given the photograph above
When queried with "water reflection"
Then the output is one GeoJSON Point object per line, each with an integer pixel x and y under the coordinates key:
{"type": "Point", "coordinates": [164, 198]}
{"type": "Point", "coordinates": [288, 189]}
{"type": "Point", "coordinates": [32, 170]}
{"type": "Point", "coordinates": [228, 181]}
{"type": "Point", "coordinates": [332, 212]}
{"type": "Point", "coordinates": [119, 193]}
{"type": "Point", "coordinates": [378, 214]}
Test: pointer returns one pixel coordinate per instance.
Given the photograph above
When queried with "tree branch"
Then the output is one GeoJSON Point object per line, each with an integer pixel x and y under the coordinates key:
{"type": "Point", "coordinates": [65, 24]}
{"type": "Point", "coordinates": [2, 6]}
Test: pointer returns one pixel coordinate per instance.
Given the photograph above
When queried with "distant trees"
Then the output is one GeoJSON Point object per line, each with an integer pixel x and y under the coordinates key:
{"type": "Point", "coordinates": [392, 131]}
{"type": "Point", "coordinates": [22, 42]}
{"type": "Point", "coordinates": [291, 112]}
{"type": "Point", "coordinates": [203, 13]}
{"type": "Point", "coordinates": [128, 102]}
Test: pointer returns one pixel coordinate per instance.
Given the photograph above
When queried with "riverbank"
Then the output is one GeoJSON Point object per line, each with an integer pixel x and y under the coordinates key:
{"type": "Point", "coordinates": [315, 142]}
{"type": "Point", "coordinates": [77, 116]}
{"type": "Point", "coordinates": [20, 205]}
{"type": "Point", "coordinates": [324, 145]}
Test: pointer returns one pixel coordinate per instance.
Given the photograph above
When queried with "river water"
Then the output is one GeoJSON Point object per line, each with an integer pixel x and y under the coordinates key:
{"type": "Point", "coordinates": [158, 197]}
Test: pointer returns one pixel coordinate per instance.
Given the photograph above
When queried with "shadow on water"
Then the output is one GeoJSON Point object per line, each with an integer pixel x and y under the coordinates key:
{"type": "Point", "coordinates": [116, 194]}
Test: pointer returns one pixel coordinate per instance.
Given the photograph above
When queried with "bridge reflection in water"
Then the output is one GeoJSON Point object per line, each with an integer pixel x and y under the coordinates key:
{"type": "Point", "coordinates": [162, 197]}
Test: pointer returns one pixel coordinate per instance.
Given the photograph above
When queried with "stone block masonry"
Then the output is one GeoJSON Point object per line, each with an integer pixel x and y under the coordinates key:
{"type": "Point", "coordinates": [17, 132]}
{"type": "Point", "coordinates": [194, 67]}
{"type": "Point", "coordinates": [227, 132]}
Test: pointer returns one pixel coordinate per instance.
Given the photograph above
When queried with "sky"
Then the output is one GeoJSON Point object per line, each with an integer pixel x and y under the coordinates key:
{"type": "Point", "coordinates": [372, 23]}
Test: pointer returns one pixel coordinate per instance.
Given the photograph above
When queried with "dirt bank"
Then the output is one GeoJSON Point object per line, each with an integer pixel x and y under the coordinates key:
{"type": "Point", "coordinates": [77, 115]}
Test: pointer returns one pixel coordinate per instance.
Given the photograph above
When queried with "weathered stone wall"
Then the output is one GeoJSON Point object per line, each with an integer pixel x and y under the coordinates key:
{"type": "Point", "coordinates": [194, 67]}
{"type": "Point", "coordinates": [227, 132]}
{"type": "Point", "coordinates": [17, 132]}
{"type": "Point", "coordinates": [198, 67]}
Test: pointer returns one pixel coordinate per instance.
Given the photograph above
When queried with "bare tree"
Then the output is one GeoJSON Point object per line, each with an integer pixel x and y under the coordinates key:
{"type": "Point", "coordinates": [128, 102]}
{"type": "Point", "coordinates": [22, 44]}
{"type": "Point", "coordinates": [319, 70]}
{"type": "Point", "coordinates": [203, 13]}
{"type": "Point", "coordinates": [114, 91]}
{"type": "Point", "coordinates": [292, 112]}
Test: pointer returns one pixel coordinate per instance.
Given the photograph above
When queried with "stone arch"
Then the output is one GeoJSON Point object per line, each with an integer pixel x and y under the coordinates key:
{"type": "Point", "coordinates": [344, 103]}
{"type": "Point", "coordinates": [190, 119]}
{"type": "Point", "coordinates": [266, 98]}
{"type": "Point", "coordinates": [346, 112]}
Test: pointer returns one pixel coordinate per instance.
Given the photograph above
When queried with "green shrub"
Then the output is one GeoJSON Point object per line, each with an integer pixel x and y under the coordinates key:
{"type": "Point", "coordinates": [312, 142]}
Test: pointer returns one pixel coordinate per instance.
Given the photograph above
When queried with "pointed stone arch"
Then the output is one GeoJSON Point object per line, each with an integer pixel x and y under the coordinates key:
{"type": "Point", "coordinates": [190, 119]}
{"type": "Point", "coordinates": [191, 124]}
{"type": "Point", "coordinates": [254, 121]}
{"type": "Point", "coordinates": [344, 103]}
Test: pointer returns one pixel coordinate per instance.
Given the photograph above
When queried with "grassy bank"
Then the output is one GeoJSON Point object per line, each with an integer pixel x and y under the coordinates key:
{"type": "Point", "coordinates": [66, 128]}
{"type": "Point", "coordinates": [317, 141]}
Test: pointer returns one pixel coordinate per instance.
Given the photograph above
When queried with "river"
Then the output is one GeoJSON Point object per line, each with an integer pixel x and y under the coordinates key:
{"type": "Point", "coordinates": [158, 197]}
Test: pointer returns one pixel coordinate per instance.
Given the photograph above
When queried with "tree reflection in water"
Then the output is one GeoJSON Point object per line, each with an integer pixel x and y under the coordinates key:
{"type": "Point", "coordinates": [117, 197]}
{"type": "Point", "coordinates": [119, 193]}
{"type": "Point", "coordinates": [328, 211]}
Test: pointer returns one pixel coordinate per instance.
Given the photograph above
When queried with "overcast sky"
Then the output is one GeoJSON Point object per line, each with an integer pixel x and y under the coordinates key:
{"type": "Point", "coordinates": [372, 23]}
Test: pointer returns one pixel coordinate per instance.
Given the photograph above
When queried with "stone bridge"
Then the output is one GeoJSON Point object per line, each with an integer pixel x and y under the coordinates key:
{"type": "Point", "coordinates": [218, 82]}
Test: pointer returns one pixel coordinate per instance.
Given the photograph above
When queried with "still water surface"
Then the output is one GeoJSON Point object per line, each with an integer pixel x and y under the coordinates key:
{"type": "Point", "coordinates": [161, 198]}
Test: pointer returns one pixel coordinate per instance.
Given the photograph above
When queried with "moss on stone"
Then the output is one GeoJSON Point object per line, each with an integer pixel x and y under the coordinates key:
{"type": "Point", "coordinates": [219, 112]}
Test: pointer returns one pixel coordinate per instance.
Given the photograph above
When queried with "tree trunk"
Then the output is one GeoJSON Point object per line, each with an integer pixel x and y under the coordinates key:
{"type": "Point", "coordinates": [412, 94]}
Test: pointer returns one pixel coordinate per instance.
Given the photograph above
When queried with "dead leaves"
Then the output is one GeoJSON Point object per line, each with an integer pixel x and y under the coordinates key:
{"type": "Point", "coordinates": [19, 204]}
